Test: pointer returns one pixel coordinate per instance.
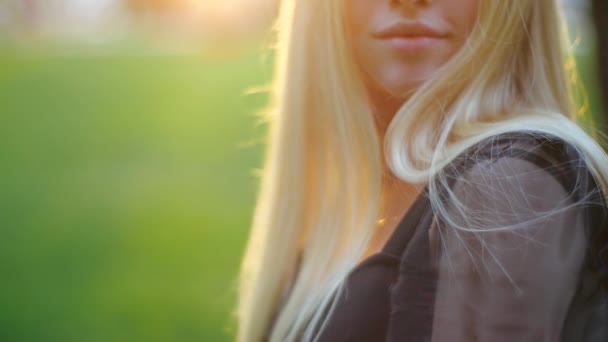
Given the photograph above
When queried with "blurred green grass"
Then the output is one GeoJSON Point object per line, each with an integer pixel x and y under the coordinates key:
{"type": "Point", "coordinates": [127, 188]}
{"type": "Point", "coordinates": [127, 192]}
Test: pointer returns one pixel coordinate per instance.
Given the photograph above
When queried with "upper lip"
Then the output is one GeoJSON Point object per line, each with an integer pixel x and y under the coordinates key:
{"type": "Point", "coordinates": [409, 30]}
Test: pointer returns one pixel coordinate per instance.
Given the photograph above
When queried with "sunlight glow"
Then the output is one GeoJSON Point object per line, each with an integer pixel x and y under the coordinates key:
{"type": "Point", "coordinates": [234, 16]}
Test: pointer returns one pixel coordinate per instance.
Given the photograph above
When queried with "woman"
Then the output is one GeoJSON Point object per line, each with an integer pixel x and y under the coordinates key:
{"type": "Point", "coordinates": [425, 179]}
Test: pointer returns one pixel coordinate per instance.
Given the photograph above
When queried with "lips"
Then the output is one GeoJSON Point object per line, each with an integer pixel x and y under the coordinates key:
{"type": "Point", "coordinates": [409, 30]}
{"type": "Point", "coordinates": [410, 37]}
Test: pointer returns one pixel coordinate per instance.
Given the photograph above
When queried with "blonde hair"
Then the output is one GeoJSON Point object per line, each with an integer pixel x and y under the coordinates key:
{"type": "Point", "coordinates": [321, 185]}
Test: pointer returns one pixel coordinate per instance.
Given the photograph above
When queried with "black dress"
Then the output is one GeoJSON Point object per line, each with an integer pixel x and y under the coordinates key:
{"type": "Point", "coordinates": [543, 280]}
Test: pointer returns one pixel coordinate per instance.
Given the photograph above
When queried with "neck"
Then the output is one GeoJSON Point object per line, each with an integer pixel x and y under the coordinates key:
{"type": "Point", "coordinates": [395, 192]}
{"type": "Point", "coordinates": [384, 108]}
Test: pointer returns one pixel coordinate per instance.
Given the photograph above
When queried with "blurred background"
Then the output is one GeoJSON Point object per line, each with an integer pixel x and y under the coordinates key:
{"type": "Point", "coordinates": [129, 146]}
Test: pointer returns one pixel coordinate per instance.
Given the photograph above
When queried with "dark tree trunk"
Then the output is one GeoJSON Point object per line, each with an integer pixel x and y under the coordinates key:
{"type": "Point", "coordinates": [600, 16]}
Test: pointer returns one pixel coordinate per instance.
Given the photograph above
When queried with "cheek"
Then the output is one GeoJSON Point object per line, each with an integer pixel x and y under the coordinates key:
{"type": "Point", "coordinates": [464, 14]}
{"type": "Point", "coordinates": [358, 14]}
{"type": "Point", "coordinates": [358, 17]}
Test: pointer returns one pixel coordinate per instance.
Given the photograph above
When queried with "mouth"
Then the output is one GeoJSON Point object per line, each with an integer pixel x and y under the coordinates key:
{"type": "Point", "coordinates": [409, 30]}
{"type": "Point", "coordinates": [410, 37]}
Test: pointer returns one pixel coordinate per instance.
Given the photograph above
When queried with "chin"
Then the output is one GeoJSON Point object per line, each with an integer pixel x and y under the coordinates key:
{"type": "Point", "coordinates": [402, 90]}
{"type": "Point", "coordinates": [400, 84]}
{"type": "Point", "coordinates": [396, 81]}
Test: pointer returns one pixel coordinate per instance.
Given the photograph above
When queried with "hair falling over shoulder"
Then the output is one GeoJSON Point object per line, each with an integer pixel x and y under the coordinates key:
{"type": "Point", "coordinates": [321, 182]}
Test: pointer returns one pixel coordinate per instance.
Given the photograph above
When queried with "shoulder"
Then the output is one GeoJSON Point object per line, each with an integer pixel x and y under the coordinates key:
{"type": "Point", "coordinates": [518, 176]}
{"type": "Point", "coordinates": [540, 185]}
{"type": "Point", "coordinates": [522, 158]}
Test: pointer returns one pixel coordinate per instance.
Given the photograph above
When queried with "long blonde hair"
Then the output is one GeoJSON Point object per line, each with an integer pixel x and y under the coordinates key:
{"type": "Point", "coordinates": [321, 186]}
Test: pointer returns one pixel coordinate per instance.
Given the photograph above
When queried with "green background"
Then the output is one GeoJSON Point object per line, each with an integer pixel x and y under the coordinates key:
{"type": "Point", "coordinates": [127, 188]}
{"type": "Point", "coordinates": [127, 185]}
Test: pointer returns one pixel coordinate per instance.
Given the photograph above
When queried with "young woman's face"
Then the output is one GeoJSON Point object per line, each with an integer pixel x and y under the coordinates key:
{"type": "Point", "coordinates": [400, 43]}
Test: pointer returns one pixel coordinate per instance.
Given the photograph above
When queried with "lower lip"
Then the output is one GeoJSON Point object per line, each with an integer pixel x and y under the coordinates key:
{"type": "Point", "coordinates": [412, 44]}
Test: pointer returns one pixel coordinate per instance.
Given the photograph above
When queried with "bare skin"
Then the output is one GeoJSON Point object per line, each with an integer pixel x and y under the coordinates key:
{"type": "Point", "coordinates": [396, 199]}
{"type": "Point", "coordinates": [397, 45]}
